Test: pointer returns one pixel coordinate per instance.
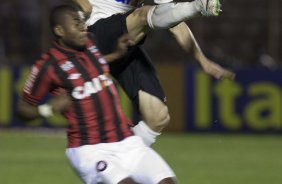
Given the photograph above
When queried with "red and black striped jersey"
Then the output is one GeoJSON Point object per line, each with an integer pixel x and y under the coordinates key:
{"type": "Point", "coordinates": [95, 115]}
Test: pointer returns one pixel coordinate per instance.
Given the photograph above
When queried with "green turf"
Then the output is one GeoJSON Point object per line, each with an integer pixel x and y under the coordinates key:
{"type": "Point", "coordinates": [38, 158]}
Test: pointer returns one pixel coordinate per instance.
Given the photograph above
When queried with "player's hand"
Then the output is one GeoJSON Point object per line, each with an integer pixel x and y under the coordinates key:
{"type": "Point", "coordinates": [60, 103]}
{"type": "Point", "coordinates": [122, 45]}
{"type": "Point", "coordinates": [217, 71]}
{"type": "Point", "coordinates": [121, 49]}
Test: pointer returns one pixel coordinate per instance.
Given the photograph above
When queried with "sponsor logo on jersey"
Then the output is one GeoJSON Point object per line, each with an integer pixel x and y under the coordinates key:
{"type": "Point", "coordinates": [67, 66]}
{"type": "Point", "coordinates": [91, 87]}
{"type": "Point", "coordinates": [74, 76]}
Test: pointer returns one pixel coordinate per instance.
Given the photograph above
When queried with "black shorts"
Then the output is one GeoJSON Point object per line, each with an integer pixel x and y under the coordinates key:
{"type": "Point", "coordinates": [134, 72]}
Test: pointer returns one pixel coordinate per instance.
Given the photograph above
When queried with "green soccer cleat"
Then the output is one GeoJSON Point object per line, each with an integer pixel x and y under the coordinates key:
{"type": "Point", "coordinates": [210, 7]}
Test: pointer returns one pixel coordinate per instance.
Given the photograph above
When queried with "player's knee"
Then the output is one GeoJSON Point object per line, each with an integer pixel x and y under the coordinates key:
{"type": "Point", "coordinates": [164, 114]}
{"type": "Point", "coordinates": [168, 181]}
{"type": "Point", "coordinates": [127, 181]}
{"type": "Point", "coordinates": [141, 13]}
{"type": "Point", "coordinates": [162, 119]}
{"type": "Point", "coordinates": [165, 121]}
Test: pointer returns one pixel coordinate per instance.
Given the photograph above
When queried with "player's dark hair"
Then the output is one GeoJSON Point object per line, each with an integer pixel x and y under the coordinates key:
{"type": "Point", "coordinates": [58, 13]}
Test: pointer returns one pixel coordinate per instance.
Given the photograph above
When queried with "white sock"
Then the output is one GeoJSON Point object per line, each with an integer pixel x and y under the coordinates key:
{"type": "Point", "coordinates": [167, 15]}
{"type": "Point", "coordinates": [146, 133]}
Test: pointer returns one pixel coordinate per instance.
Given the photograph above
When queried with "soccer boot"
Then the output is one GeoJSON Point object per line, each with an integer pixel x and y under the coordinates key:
{"type": "Point", "coordinates": [209, 7]}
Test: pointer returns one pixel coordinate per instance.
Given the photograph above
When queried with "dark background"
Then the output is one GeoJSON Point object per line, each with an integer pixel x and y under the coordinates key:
{"type": "Point", "coordinates": [246, 34]}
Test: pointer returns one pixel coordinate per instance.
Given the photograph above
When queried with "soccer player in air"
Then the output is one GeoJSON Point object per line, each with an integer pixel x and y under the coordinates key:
{"type": "Point", "coordinates": [108, 19]}
{"type": "Point", "coordinates": [101, 146]}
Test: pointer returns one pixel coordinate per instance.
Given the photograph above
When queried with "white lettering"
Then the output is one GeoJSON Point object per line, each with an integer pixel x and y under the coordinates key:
{"type": "Point", "coordinates": [67, 66]}
{"type": "Point", "coordinates": [29, 83]}
{"type": "Point", "coordinates": [96, 82]}
{"type": "Point", "coordinates": [89, 88]}
{"type": "Point", "coordinates": [92, 87]}
{"type": "Point", "coordinates": [78, 93]}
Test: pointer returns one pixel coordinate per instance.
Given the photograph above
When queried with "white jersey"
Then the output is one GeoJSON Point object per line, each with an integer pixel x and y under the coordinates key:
{"type": "Point", "coordinates": [105, 8]}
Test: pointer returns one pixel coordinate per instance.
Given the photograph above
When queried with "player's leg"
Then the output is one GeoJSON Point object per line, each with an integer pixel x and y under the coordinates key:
{"type": "Point", "coordinates": [156, 117]}
{"type": "Point", "coordinates": [168, 181]}
{"type": "Point", "coordinates": [140, 82]}
{"type": "Point", "coordinates": [158, 172]}
{"type": "Point", "coordinates": [135, 75]}
{"type": "Point", "coordinates": [154, 111]}
{"type": "Point", "coordinates": [98, 164]}
{"type": "Point", "coordinates": [127, 181]}
{"type": "Point", "coordinates": [114, 173]}
{"type": "Point", "coordinates": [167, 15]}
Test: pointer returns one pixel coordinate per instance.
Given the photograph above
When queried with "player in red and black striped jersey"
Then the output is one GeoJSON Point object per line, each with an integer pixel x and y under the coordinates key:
{"type": "Point", "coordinates": [95, 114]}
{"type": "Point", "coordinates": [101, 145]}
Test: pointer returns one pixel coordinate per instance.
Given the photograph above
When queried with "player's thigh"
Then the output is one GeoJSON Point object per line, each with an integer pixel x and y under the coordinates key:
{"type": "Point", "coordinates": [137, 25]}
{"type": "Point", "coordinates": [97, 163]}
{"type": "Point", "coordinates": [138, 74]}
{"type": "Point", "coordinates": [151, 107]}
{"type": "Point", "coordinates": [168, 181]}
{"type": "Point", "coordinates": [152, 168]}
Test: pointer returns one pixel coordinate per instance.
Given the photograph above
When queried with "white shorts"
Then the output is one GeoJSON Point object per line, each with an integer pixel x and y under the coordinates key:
{"type": "Point", "coordinates": [112, 162]}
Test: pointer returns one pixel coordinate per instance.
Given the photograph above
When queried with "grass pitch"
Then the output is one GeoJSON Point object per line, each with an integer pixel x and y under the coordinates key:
{"type": "Point", "coordinates": [30, 157]}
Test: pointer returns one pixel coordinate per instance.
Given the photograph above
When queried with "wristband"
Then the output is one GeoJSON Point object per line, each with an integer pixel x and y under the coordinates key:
{"type": "Point", "coordinates": [45, 110]}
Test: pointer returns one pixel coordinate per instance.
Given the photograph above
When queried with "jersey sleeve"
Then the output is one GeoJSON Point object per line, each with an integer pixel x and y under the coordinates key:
{"type": "Point", "coordinates": [39, 83]}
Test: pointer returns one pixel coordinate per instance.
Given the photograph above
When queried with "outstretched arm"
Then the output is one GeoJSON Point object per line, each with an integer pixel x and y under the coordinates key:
{"type": "Point", "coordinates": [186, 40]}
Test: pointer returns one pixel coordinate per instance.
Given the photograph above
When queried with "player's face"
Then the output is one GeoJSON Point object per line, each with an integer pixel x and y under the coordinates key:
{"type": "Point", "coordinates": [74, 29]}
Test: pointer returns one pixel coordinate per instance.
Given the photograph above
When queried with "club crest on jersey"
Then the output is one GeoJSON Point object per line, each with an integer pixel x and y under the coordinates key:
{"type": "Point", "coordinates": [101, 166]}
{"type": "Point", "coordinates": [67, 66]}
{"type": "Point", "coordinates": [91, 87]}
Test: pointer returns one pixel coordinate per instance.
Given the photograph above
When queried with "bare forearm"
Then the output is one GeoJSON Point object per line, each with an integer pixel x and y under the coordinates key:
{"type": "Point", "coordinates": [111, 57]}
{"type": "Point", "coordinates": [187, 41]}
{"type": "Point", "coordinates": [27, 111]}
{"type": "Point", "coordinates": [121, 49]}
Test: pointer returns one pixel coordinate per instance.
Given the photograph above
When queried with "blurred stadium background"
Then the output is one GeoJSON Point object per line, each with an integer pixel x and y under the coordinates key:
{"type": "Point", "coordinates": [220, 132]}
